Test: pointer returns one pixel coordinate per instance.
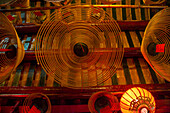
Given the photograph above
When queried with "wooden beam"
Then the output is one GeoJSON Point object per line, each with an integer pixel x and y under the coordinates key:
{"type": "Point", "coordinates": [124, 26]}
{"type": "Point", "coordinates": [84, 6]}
{"type": "Point", "coordinates": [158, 89]}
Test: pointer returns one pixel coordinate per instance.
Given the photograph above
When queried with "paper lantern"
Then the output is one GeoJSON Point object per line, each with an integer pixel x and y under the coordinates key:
{"type": "Point", "coordinates": [137, 100]}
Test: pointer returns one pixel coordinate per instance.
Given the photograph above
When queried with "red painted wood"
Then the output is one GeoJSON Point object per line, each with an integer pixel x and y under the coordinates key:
{"type": "Point", "coordinates": [84, 108]}
{"type": "Point", "coordinates": [156, 89]}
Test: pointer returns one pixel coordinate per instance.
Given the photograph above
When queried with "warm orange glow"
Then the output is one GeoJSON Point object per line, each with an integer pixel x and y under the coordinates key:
{"type": "Point", "coordinates": [156, 43]}
{"type": "Point", "coordinates": [79, 47]}
{"type": "Point", "coordinates": [9, 40]}
{"type": "Point", "coordinates": [137, 100]}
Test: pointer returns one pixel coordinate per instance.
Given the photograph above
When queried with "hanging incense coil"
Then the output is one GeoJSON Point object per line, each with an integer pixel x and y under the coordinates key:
{"type": "Point", "coordinates": [156, 43]}
{"type": "Point", "coordinates": [59, 2]}
{"type": "Point", "coordinates": [103, 102]}
{"type": "Point", "coordinates": [149, 2]}
{"type": "Point", "coordinates": [6, 2]}
{"type": "Point", "coordinates": [109, 1]}
{"type": "Point", "coordinates": [20, 3]}
{"type": "Point", "coordinates": [37, 103]}
{"type": "Point", "coordinates": [78, 51]}
{"type": "Point", "coordinates": [11, 48]}
{"type": "Point", "coordinates": [137, 100]}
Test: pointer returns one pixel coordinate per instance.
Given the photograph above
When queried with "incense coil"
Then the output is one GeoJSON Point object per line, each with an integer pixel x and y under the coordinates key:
{"type": "Point", "coordinates": [109, 1]}
{"type": "Point", "coordinates": [12, 50]}
{"type": "Point", "coordinates": [149, 2]}
{"type": "Point", "coordinates": [59, 2]}
{"type": "Point", "coordinates": [137, 100]}
{"type": "Point", "coordinates": [20, 3]}
{"type": "Point", "coordinates": [6, 2]}
{"type": "Point", "coordinates": [103, 102]}
{"type": "Point", "coordinates": [156, 43]}
{"type": "Point", "coordinates": [70, 47]}
{"type": "Point", "coordinates": [37, 103]}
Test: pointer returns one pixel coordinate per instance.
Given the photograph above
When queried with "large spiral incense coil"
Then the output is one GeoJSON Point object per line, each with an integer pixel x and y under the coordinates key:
{"type": "Point", "coordinates": [79, 46]}
{"type": "Point", "coordinates": [103, 102]}
{"type": "Point", "coordinates": [11, 48]}
{"type": "Point", "coordinates": [37, 103]}
{"type": "Point", "coordinates": [156, 43]}
{"type": "Point", "coordinates": [137, 100]}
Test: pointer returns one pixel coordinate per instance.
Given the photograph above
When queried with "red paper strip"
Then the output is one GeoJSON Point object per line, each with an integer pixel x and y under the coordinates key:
{"type": "Point", "coordinates": [34, 110]}
{"type": "Point", "coordinates": [160, 48]}
{"type": "Point", "coordinates": [105, 110]}
{"type": "Point", "coordinates": [10, 17]}
{"type": "Point", "coordinates": [38, 13]}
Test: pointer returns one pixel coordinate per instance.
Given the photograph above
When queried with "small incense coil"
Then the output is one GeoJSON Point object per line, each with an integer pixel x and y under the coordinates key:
{"type": "Point", "coordinates": [59, 2]}
{"type": "Point", "coordinates": [137, 100]}
{"type": "Point", "coordinates": [37, 103]}
{"type": "Point", "coordinates": [109, 1]}
{"type": "Point", "coordinates": [156, 43]}
{"type": "Point", "coordinates": [20, 3]}
{"type": "Point", "coordinates": [149, 2]}
{"type": "Point", "coordinates": [6, 2]}
{"type": "Point", "coordinates": [79, 47]}
{"type": "Point", "coordinates": [12, 51]}
{"type": "Point", "coordinates": [102, 102]}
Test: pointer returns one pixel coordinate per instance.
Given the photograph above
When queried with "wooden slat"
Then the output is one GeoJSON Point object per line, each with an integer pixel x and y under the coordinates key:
{"type": "Point", "coordinates": [119, 12]}
{"type": "Point", "coordinates": [37, 75]}
{"type": "Point", "coordinates": [30, 75]}
{"type": "Point", "coordinates": [138, 10]}
{"type": "Point", "coordinates": [133, 71]}
{"type": "Point", "coordinates": [24, 74]}
{"type": "Point", "coordinates": [121, 76]}
{"type": "Point", "coordinates": [17, 76]}
{"type": "Point", "coordinates": [42, 81]}
{"type": "Point", "coordinates": [128, 10]}
{"type": "Point", "coordinates": [11, 78]}
{"type": "Point", "coordinates": [135, 40]}
{"type": "Point", "coordinates": [125, 41]}
{"type": "Point", "coordinates": [27, 13]}
{"type": "Point", "coordinates": [126, 71]}
{"type": "Point", "coordinates": [146, 72]}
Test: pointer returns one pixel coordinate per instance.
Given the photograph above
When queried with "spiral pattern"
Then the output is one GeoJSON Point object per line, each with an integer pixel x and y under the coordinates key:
{"type": "Point", "coordinates": [37, 102]}
{"type": "Point", "coordinates": [79, 47]}
{"type": "Point", "coordinates": [157, 33]}
{"type": "Point", "coordinates": [102, 100]}
{"type": "Point", "coordinates": [12, 50]}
